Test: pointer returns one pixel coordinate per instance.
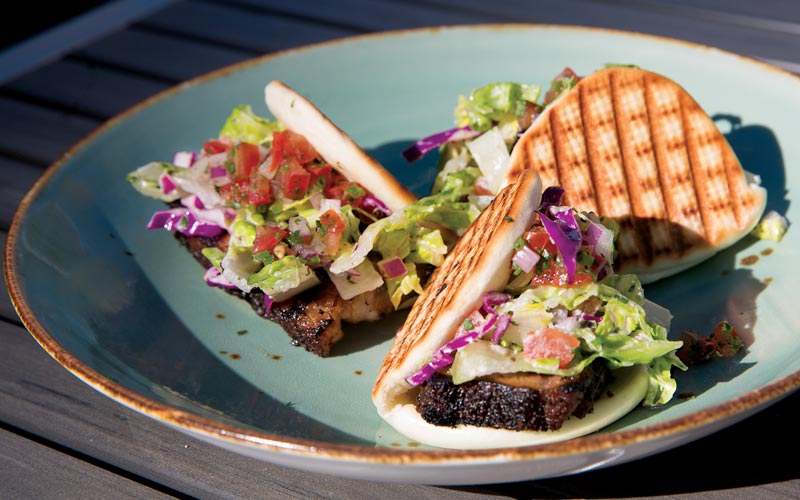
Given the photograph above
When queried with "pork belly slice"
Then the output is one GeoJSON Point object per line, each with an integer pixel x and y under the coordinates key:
{"type": "Point", "coordinates": [522, 401]}
{"type": "Point", "coordinates": [314, 318]}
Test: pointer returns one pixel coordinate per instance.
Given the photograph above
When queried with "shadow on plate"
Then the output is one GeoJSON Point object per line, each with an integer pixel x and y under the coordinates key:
{"type": "Point", "coordinates": [417, 176]}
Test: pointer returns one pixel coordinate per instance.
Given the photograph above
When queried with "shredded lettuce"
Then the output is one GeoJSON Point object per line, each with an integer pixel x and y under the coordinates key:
{"type": "Point", "coordinates": [238, 265]}
{"type": "Point", "coordinates": [285, 274]}
{"type": "Point", "coordinates": [392, 236]}
{"type": "Point", "coordinates": [145, 180]}
{"type": "Point", "coordinates": [494, 103]}
{"type": "Point", "coordinates": [404, 285]}
{"type": "Point", "coordinates": [214, 256]}
{"type": "Point", "coordinates": [628, 285]}
{"type": "Point", "coordinates": [624, 337]}
{"type": "Point", "coordinates": [243, 125]}
{"type": "Point", "coordinates": [490, 152]}
{"type": "Point", "coordinates": [772, 227]}
{"type": "Point", "coordinates": [429, 247]}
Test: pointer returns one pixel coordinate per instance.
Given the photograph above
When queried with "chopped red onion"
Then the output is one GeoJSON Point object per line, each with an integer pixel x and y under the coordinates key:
{"type": "Point", "coordinates": [217, 160]}
{"type": "Point", "coordinates": [601, 239]}
{"type": "Point", "coordinates": [591, 317]}
{"type": "Point", "coordinates": [502, 325]}
{"type": "Point", "coordinates": [299, 224]}
{"type": "Point", "coordinates": [184, 221]}
{"type": "Point", "coordinates": [305, 251]}
{"type": "Point", "coordinates": [525, 258]}
{"type": "Point", "coordinates": [183, 159]}
{"type": "Point", "coordinates": [193, 201]}
{"type": "Point", "coordinates": [221, 216]}
{"type": "Point", "coordinates": [393, 267]}
{"type": "Point", "coordinates": [326, 204]}
{"type": "Point", "coordinates": [268, 303]}
{"type": "Point", "coordinates": [315, 199]}
{"type": "Point", "coordinates": [214, 278]}
{"type": "Point", "coordinates": [566, 323]}
{"type": "Point", "coordinates": [372, 204]}
{"type": "Point", "coordinates": [216, 172]}
{"type": "Point", "coordinates": [422, 146]}
{"type": "Point", "coordinates": [167, 184]}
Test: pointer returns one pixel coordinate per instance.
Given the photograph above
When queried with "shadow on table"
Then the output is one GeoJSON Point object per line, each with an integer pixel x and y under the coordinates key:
{"type": "Point", "coordinates": [743, 455]}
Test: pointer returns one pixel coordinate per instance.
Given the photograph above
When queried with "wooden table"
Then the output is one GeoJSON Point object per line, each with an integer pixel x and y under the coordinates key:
{"type": "Point", "coordinates": [61, 439]}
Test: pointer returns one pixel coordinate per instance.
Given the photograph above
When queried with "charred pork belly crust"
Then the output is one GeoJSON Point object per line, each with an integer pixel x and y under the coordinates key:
{"type": "Point", "coordinates": [313, 319]}
{"type": "Point", "coordinates": [534, 402]}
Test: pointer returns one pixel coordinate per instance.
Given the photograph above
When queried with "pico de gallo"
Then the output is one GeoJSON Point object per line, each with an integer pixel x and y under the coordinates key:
{"type": "Point", "coordinates": [287, 213]}
{"type": "Point", "coordinates": [562, 308]}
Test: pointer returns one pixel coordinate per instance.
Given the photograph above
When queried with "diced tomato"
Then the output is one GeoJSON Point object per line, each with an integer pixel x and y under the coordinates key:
{"type": "Point", "coordinates": [556, 274]}
{"type": "Point", "coordinates": [350, 193]}
{"type": "Point", "coordinates": [321, 175]}
{"type": "Point", "coordinates": [287, 144]}
{"type": "Point", "coordinates": [552, 270]}
{"type": "Point", "coordinates": [724, 341]}
{"type": "Point", "coordinates": [550, 343]}
{"type": "Point", "coordinates": [331, 227]}
{"type": "Point", "coordinates": [268, 237]}
{"type": "Point", "coordinates": [214, 146]}
{"type": "Point", "coordinates": [235, 192]}
{"type": "Point", "coordinates": [260, 191]}
{"type": "Point", "coordinates": [727, 341]}
{"type": "Point", "coordinates": [540, 240]}
{"type": "Point", "coordinates": [246, 158]}
{"type": "Point", "coordinates": [298, 147]}
{"type": "Point", "coordinates": [696, 348]}
{"type": "Point", "coordinates": [295, 181]}
{"type": "Point", "coordinates": [278, 143]}
{"type": "Point", "coordinates": [567, 73]}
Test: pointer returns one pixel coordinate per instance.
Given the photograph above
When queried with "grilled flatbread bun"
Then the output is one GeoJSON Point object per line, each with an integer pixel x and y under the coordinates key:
{"type": "Point", "coordinates": [478, 263]}
{"type": "Point", "coordinates": [634, 146]}
{"type": "Point", "coordinates": [335, 146]}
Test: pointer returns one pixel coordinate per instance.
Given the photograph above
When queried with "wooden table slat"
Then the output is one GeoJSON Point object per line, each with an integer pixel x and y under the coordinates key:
{"type": "Point", "coordinates": [157, 55]}
{"type": "Point", "coordinates": [784, 13]}
{"type": "Point", "coordinates": [372, 15]}
{"type": "Point", "coordinates": [90, 89]}
{"type": "Point", "coordinates": [16, 178]}
{"type": "Point", "coordinates": [244, 28]}
{"type": "Point", "coordinates": [29, 470]}
{"type": "Point", "coordinates": [778, 47]}
{"type": "Point", "coordinates": [36, 134]}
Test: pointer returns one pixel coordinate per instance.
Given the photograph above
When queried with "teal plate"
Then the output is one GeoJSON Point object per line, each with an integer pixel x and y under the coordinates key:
{"type": "Point", "coordinates": [127, 311]}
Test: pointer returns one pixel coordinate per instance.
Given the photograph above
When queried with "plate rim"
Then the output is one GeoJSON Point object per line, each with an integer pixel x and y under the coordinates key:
{"type": "Point", "coordinates": [265, 441]}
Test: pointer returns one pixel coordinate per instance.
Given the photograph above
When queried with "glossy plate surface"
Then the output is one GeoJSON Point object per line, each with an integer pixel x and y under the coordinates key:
{"type": "Point", "coordinates": [127, 311]}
